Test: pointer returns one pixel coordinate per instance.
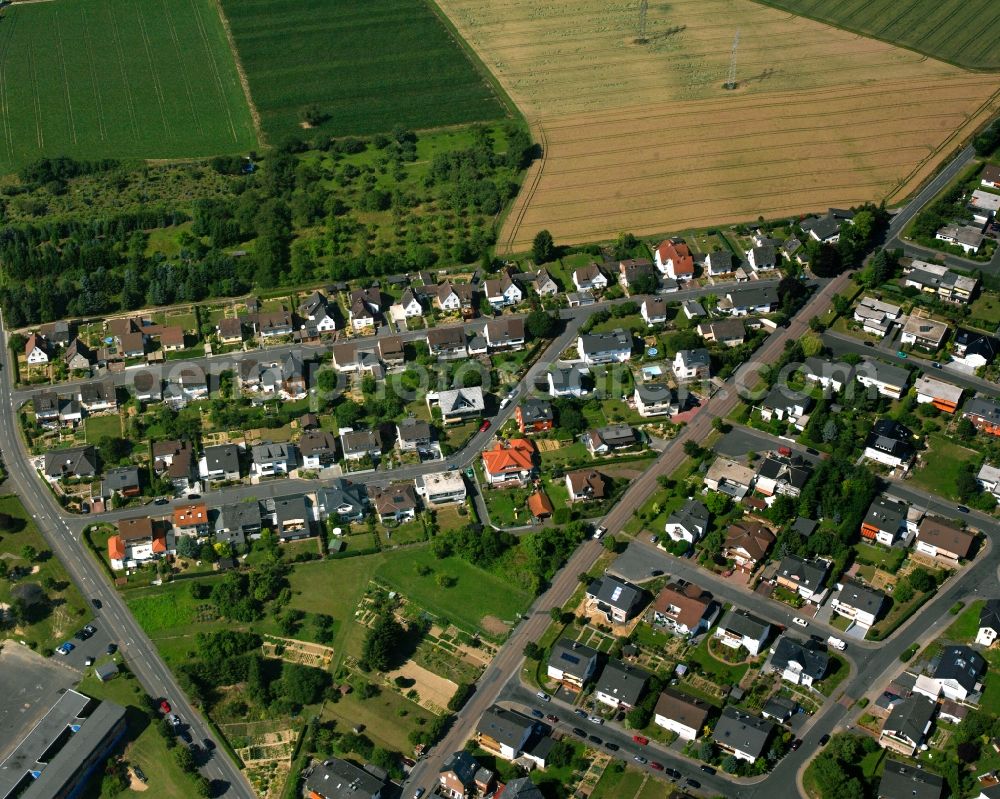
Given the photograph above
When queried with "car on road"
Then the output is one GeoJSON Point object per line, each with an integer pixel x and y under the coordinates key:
{"type": "Point", "coordinates": [97, 603]}
{"type": "Point", "coordinates": [194, 496]}
{"type": "Point", "coordinates": [165, 707]}
{"type": "Point", "coordinates": [900, 354]}
{"type": "Point", "coordinates": [812, 451]}
{"type": "Point", "coordinates": [537, 713]}
{"type": "Point", "coordinates": [707, 769]}
{"type": "Point", "coordinates": [654, 539]}
{"type": "Point", "coordinates": [175, 720]}
{"type": "Point", "coordinates": [640, 759]}
{"type": "Point", "coordinates": [824, 740]}
{"type": "Point", "coordinates": [112, 648]}
{"type": "Point", "coordinates": [418, 793]}
{"type": "Point", "coordinates": [869, 344]}
{"type": "Point", "coordinates": [656, 766]}
{"type": "Point", "coordinates": [185, 736]}
{"type": "Point", "coordinates": [640, 739]}
{"type": "Point", "coordinates": [208, 743]}
{"type": "Point", "coordinates": [837, 643]}
{"type": "Point", "coordinates": [65, 648]}
{"type": "Point", "coordinates": [673, 773]}
{"type": "Point", "coordinates": [691, 782]}
{"type": "Point", "coordinates": [161, 501]}
{"type": "Point", "coordinates": [504, 402]}
{"type": "Point", "coordinates": [935, 364]}
{"type": "Point", "coordinates": [553, 718]}
{"type": "Point", "coordinates": [486, 425]}
{"type": "Point", "coordinates": [595, 720]}
{"type": "Point", "coordinates": [580, 712]}
{"type": "Point", "coordinates": [594, 739]}
{"type": "Point", "coordinates": [656, 572]}
{"type": "Point", "coordinates": [599, 532]}
{"type": "Point", "coordinates": [579, 733]}
{"type": "Point", "coordinates": [613, 747]}
{"type": "Point", "coordinates": [961, 509]}
{"type": "Point", "coordinates": [800, 622]}
{"type": "Point", "coordinates": [543, 696]}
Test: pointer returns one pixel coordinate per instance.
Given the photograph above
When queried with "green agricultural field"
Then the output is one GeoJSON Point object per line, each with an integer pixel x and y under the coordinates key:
{"type": "Point", "coordinates": [962, 32]}
{"type": "Point", "coordinates": [365, 66]}
{"type": "Point", "coordinates": [118, 79]}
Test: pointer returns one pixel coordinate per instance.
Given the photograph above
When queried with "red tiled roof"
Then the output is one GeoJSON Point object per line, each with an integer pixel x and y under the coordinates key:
{"type": "Point", "coordinates": [188, 515]}
{"type": "Point", "coordinates": [116, 548]}
{"type": "Point", "coordinates": [680, 254]}
{"type": "Point", "coordinates": [540, 505]}
{"type": "Point", "coordinates": [515, 455]}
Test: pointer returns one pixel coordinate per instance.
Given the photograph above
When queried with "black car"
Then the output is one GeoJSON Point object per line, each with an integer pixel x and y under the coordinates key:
{"type": "Point", "coordinates": [961, 509]}
{"type": "Point", "coordinates": [161, 501]}
{"type": "Point", "coordinates": [707, 769]}
{"type": "Point", "coordinates": [691, 782]}
{"type": "Point", "coordinates": [796, 744]}
{"type": "Point", "coordinates": [96, 603]}
{"type": "Point", "coordinates": [581, 712]}
{"type": "Point", "coordinates": [208, 743]}
{"type": "Point", "coordinates": [112, 648]}
{"type": "Point", "coordinates": [656, 572]}
{"type": "Point", "coordinates": [611, 747]}
{"type": "Point", "coordinates": [869, 344]}
{"type": "Point", "coordinates": [824, 740]}
{"type": "Point", "coordinates": [185, 736]}
{"type": "Point", "coordinates": [579, 733]}
{"type": "Point", "coordinates": [673, 773]}
{"type": "Point", "coordinates": [594, 739]}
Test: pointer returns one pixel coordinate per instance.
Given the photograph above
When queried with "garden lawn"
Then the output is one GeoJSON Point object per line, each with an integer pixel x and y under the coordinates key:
{"type": "Point", "coordinates": [167, 608]}
{"type": "Point", "coordinates": [941, 465]}
{"type": "Point", "coordinates": [723, 673]}
{"type": "Point", "coordinates": [381, 715]}
{"type": "Point", "coordinates": [98, 427]}
{"type": "Point", "coordinates": [966, 626]}
{"type": "Point", "coordinates": [615, 784]}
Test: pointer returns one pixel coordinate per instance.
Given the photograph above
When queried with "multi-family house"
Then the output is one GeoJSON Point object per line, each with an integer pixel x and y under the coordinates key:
{"type": "Point", "coordinates": [942, 282]}
{"type": "Point", "coordinates": [876, 317]}
{"type": "Point", "coordinates": [462, 777]}
{"type": "Point", "coordinates": [138, 540]}
{"type": "Point", "coordinates": [510, 461]}
{"type": "Point", "coordinates": [272, 460]}
{"type": "Point", "coordinates": [441, 488]}
{"type": "Point", "coordinates": [340, 779]}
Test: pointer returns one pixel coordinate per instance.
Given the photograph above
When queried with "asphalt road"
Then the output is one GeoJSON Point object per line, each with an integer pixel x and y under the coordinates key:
{"type": "Point", "coordinates": [113, 619]}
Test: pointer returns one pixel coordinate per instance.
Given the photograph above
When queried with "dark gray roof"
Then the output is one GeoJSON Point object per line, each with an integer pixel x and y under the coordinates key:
{"type": "Point", "coordinates": [909, 718]}
{"type": "Point", "coordinates": [293, 508]}
{"type": "Point", "coordinates": [521, 788]}
{"type": "Point", "coordinates": [779, 707]}
{"type": "Point", "coordinates": [962, 664]}
{"type": "Point", "coordinates": [622, 681]}
{"type": "Point", "coordinates": [506, 726]}
{"type": "Point", "coordinates": [905, 781]}
{"type": "Point", "coordinates": [411, 429]}
{"type": "Point", "coordinates": [655, 393]}
{"type": "Point", "coordinates": [739, 730]}
{"type": "Point", "coordinates": [119, 479]}
{"type": "Point", "coordinates": [360, 441]}
{"type": "Point", "coordinates": [824, 226]}
{"type": "Point", "coordinates": [268, 453]}
{"type": "Point", "coordinates": [342, 497]}
{"type": "Point", "coordinates": [884, 372]}
{"type": "Point", "coordinates": [889, 436]}
{"type": "Point", "coordinates": [808, 654]}
{"type": "Point", "coordinates": [239, 516]}
{"type": "Point", "coordinates": [886, 515]}
{"type": "Point", "coordinates": [76, 461]}
{"type": "Point", "coordinates": [693, 513]}
{"type": "Point", "coordinates": [223, 456]}
{"type": "Point", "coordinates": [984, 408]}
{"type": "Point", "coordinates": [536, 410]}
{"type": "Point", "coordinates": [566, 378]}
{"type": "Point", "coordinates": [790, 471]}
{"type": "Point", "coordinates": [861, 597]}
{"type": "Point", "coordinates": [339, 779]}
{"type": "Point", "coordinates": [572, 658]}
{"type": "Point", "coordinates": [989, 616]}
{"type": "Point", "coordinates": [696, 357]}
{"type": "Point", "coordinates": [317, 442]}
{"type": "Point", "coordinates": [598, 343]}
{"type": "Point", "coordinates": [754, 296]}
{"type": "Point", "coordinates": [463, 765]}
{"type": "Point", "coordinates": [745, 624]}
{"type": "Point", "coordinates": [809, 573]}
{"type": "Point", "coordinates": [805, 527]}
{"type": "Point", "coordinates": [616, 593]}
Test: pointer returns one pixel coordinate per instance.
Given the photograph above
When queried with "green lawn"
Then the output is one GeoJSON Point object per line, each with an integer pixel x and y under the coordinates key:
{"type": "Point", "coordinates": [360, 86]}
{"type": "Point", "coordinates": [508, 506]}
{"type": "Point", "coordinates": [381, 717]}
{"type": "Point", "coordinates": [169, 608]}
{"type": "Point", "coordinates": [98, 427]}
{"type": "Point", "coordinates": [118, 79]}
{"type": "Point", "coordinates": [65, 611]}
{"type": "Point", "coordinates": [615, 784]}
{"type": "Point", "coordinates": [145, 746]}
{"type": "Point", "coordinates": [942, 463]}
{"type": "Point", "coordinates": [966, 625]}
{"type": "Point", "coordinates": [723, 673]}
{"type": "Point", "coordinates": [839, 669]}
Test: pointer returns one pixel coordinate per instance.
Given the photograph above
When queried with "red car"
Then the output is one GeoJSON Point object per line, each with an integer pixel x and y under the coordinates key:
{"type": "Point", "coordinates": [639, 739]}
{"type": "Point", "coordinates": [486, 425]}
{"type": "Point", "coordinates": [164, 706]}
{"type": "Point", "coordinates": [656, 766]}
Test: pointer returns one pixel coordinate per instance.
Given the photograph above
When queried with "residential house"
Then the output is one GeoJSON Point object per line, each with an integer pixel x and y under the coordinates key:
{"type": "Point", "coordinates": [692, 365]}
{"type": "Point", "coordinates": [447, 299]}
{"type": "Point", "coordinates": [46, 405]}
{"type": "Point", "coordinates": [447, 343]}
{"type": "Point", "coordinates": [230, 330]}
{"type": "Point", "coordinates": [730, 477]}
{"type": "Point", "coordinates": [138, 540]}
{"type": "Point", "coordinates": [779, 708]}
{"type": "Point", "coordinates": [98, 395]}
{"type": "Point", "coordinates": [441, 488]}
{"type": "Point", "coordinates": [826, 229]}
{"type": "Point", "coordinates": [521, 788]}
{"type": "Point", "coordinates": [598, 348]}
{"type": "Point", "coordinates": [318, 449]}
{"type": "Point", "coordinates": [341, 779]}
{"type": "Point", "coordinates": [397, 501]}
{"type": "Point", "coordinates": [988, 478]}
{"type": "Point", "coordinates": [69, 463]}
{"type": "Point", "coordinates": [974, 349]}
{"type": "Point", "coordinates": [171, 338]}
{"type": "Point", "coordinates": [728, 332]}
{"type": "Point", "coordinates": [890, 443]}
{"type": "Point", "coordinates": [585, 485]}
{"type": "Point", "coordinates": [989, 623]}
{"type": "Point", "coordinates": [542, 283]}
{"type": "Point", "coordinates": [123, 481]}
{"type": "Point", "coordinates": [79, 357]}
{"type": "Point", "coordinates": [968, 237]}
{"type": "Point", "coordinates": [510, 461]}
{"type": "Point", "coordinates": [885, 521]}
{"type": "Point", "coordinates": [343, 500]}
{"type": "Point", "coordinates": [984, 413]}
{"type": "Point", "coordinates": [356, 445]}
{"type": "Point", "coordinates": [683, 608]}
{"type": "Point", "coordinates": [778, 474]}
{"type": "Point", "coordinates": [618, 600]}
{"type": "Point", "coordinates": [943, 396]}
{"type": "Point", "coordinates": [742, 735]}
{"type": "Point", "coordinates": [654, 311]}
{"type": "Point", "coordinates": [566, 381]}
{"type": "Point", "coordinates": [606, 440]}
{"type": "Point", "coordinates": [572, 664]}
{"type": "Point", "coordinates": [458, 405]}
{"type": "Point", "coordinates": [58, 332]}
{"type": "Point", "coordinates": [504, 733]}
{"type": "Point", "coordinates": [502, 292]}
{"type": "Point", "coordinates": [858, 602]}
{"type": "Point", "coordinates": [192, 383]}
{"type": "Point", "coordinates": [681, 713]}
{"type": "Point", "coordinates": [655, 399]}
{"type": "Point", "coordinates": [941, 281]}
{"type": "Point", "coordinates": [738, 628]}
{"type": "Point", "coordinates": [990, 178]}
{"type": "Point", "coordinates": [540, 506]}
{"type": "Point", "coordinates": [220, 463]}
{"type": "Point", "coordinates": [674, 260]}
{"type": "Point", "coordinates": [829, 374]}
{"type": "Point", "coordinates": [273, 324]}
{"type": "Point", "coordinates": [292, 385]}
{"type": "Point", "coordinates": [799, 662]}
{"type": "Point", "coordinates": [461, 777]}
{"type": "Point", "coordinates": [410, 304]}
{"type": "Point", "coordinates": [620, 685]}
{"type": "Point", "coordinates": [534, 416]}
{"type": "Point", "coordinates": [131, 344]}
{"type": "Point", "coordinates": [272, 460]}
{"type": "Point", "coordinates": [632, 269]}
{"type": "Point", "coordinates": [944, 539]}
{"type": "Point", "coordinates": [590, 278]}
{"type": "Point", "coordinates": [762, 259]}
{"type": "Point", "coordinates": [292, 517]}
{"type": "Point", "coordinates": [890, 381]}
{"type": "Point", "coordinates": [721, 262]}
{"type": "Point", "coordinates": [175, 460]}
{"type": "Point", "coordinates": [191, 519]}
{"type": "Point", "coordinates": [875, 316]}
{"type": "Point", "coordinates": [693, 309]}
{"type": "Point", "coordinates": [957, 675]}
{"type": "Point", "coordinates": [750, 300]}
{"type": "Point", "coordinates": [908, 726]}
{"type": "Point", "coordinates": [414, 435]}
{"type": "Point", "coordinates": [923, 332]}
{"type": "Point", "coordinates": [505, 333]}
{"type": "Point", "coordinates": [807, 578]}
{"type": "Point", "coordinates": [390, 350]}
{"type": "Point", "coordinates": [784, 404]}
{"type": "Point", "coordinates": [238, 521]}
{"type": "Point", "coordinates": [688, 523]}
{"type": "Point", "coordinates": [906, 781]}
{"type": "Point", "coordinates": [747, 543]}
{"type": "Point", "coordinates": [148, 386]}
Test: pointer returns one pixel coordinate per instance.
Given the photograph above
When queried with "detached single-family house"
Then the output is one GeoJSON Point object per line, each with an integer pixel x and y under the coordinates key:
{"type": "Point", "coordinates": [98, 395]}
{"type": "Point", "coordinates": [875, 316]}
{"type": "Point", "coordinates": [414, 435]}
{"type": "Point", "coordinates": [534, 415]}
{"type": "Point", "coordinates": [742, 735]}
{"type": "Point", "coordinates": [923, 332]}
{"type": "Point", "coordinates": [988, 479]}
{"type": "Point", "coordinates": [655, 399]}
{"type": "Point", "coordinates": [799, 662]}
{"type": "Point", "coordinates": [459, 404]}
{"type": "Point", "coordinates": [502, 292]}
{"type": "Point", "coordinates": [447, 343]}
{"type": "Point", "coordinates": [566, 381]}
{"type": "Point", "coordinates": [944, 539]}
{"type": "Point", "coordinates": [504, 733]}
{"type": "Point", "coordinates": [692, 365]}
{"type": "Point", "coordinates": [693, 309]}
{"type": "Point", "coordinates": [674, 260]}
{"type": "Point", "coordinates": [807, 578]}
{"type": "Point", "coordinates": [654, 311]}
{"type": "Point", "coordinates": [586, 485]}
{"type": "Point", "coordinates": [683, 608]}
{"type": "Point", "coordinates": [750, 300]}
{"type": "Point", "coordinates": [908, 725]}
{"type": "Point", "coordinates": [138, 541]}
{"type": "Point", "coordinates": [598, 348]}
{"type": "Point", "coordinates": [220, 463]}
{"type": "Point", "coordinates": [37, 350]}
{"type": "Point", "coordinates": [72, 462]}
{"type": "Point", "coordinates": [274, 324]}
{"type": "Point", "coordinates": [175, 460]}
{"type": "Point", "coordinates": [341, 779]}
{"type": "Point", "coordinates": [505, 333]}
{"type": "Point", "coordinates": [990, 178]}
{"type": "Point", "coordinates": [79, 357]}
{"type": "Point", "coordinates": [989, 623]}
{"type": "Point", "coordinates": [858, 602]}
{"type": "Point", "coordinates": [984, 413]}
{"type": "Point", "coordinates": [974, 349]}
{"type": "Point", "coordinates": [398, 502]}
{"type": "Point", "coordinates": [968, 237]}
{"type": "Point", "coordinates": [783, 403]}
{"type": "Point", "coordinates": [238, 521]}
{"type": "Point", "coordinates": [123, 480]}
{"type": "Point", "coordinates": [606, 440]}
{"type": "Point", "coordinates": [318, 449]}
{"type": "Point", "coordinates": [885, 521]}
{"type": "Point", "coordinates": [441, 488]}
{"type": "Point", "coordinates": [762, 259]}
{"type": "Point", "coordinates": [462, 777]}
{"type": "Point", "coordinates": [728, 332]}
{"type": "Point", "coordinates": [616, 599]}
{"type": "Point", "coordinates": [739, 628]}
{"type": "Point", "coordinates": [827, 373]}
{"type": "Point", "coordinates": [957, 675]}
{"type": "Point", "coordinates": [890, 381]}
{"type": "Point", "coordinates": [410, 304]}
{"type": "Point", "coordinates": [632, 269]}
{"type": "Point", "coordinates": [688, 523]}
{"type": "Point", "coordinates": [356, 445]}
{"type": "Point", "coordinates": [890, 443]}
{"type": "Point", "coordinates": [729, 477]}
{"type": "Point", "coordinates": [620, 685]}
{"type": "Point", "coordinates": [747, 543]}
{"type": "Point", "coordinates": [681, 713]}
{"type": "Point", "coordinates": [572, 664]}
{"type": "Point", "coordinates": [721, 262]}
{"type": "Point", "coordinates": [343, 500]}
{"type": "Point", "coordinates": [778, 474]}
{"type": "Point", "coordinates": [271, 460]}
{"type": "Point", "coordinates": [590, 278]}
{"type": "Point", "coordinates": [230, 330]}
{"type": "Point", "coordinates": [826, 229]}
{"type": "Point", "coordinates": [905, 781]}
{"type": "Point", "coordinates": [943, 396]}
{"type": "Point", "coordinates": [191, 519]}
{"type": "Point", "coordinates": [292, 517]}
{"type": "Point", "coordinates": [510, 462]}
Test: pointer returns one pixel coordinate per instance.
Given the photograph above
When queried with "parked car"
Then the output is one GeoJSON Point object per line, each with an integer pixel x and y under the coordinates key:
{"type": "Point", "coordinates": [579, 733]}
{"type": "Point", "coordinates": [486, 425]}
{"type": "Point", "coordinates": [691, 782]}
{"type": "Point", "coordinates": [613, 747]}
{"type": "Point", "coordinates": [673, 773]}
{"type": "Point", "coordinates": [553, 718]}
{"type": "Point", "coordinates": [537, 713]}
{"type": "Point", "coordinates": [139, 773]}
{"type": "Point", "coordinates": [837, 643]}
{"type": "Point", "coordinates": [900, 354]}
{"type": "Point", "coordinates": [112, 648]}
{"type": "Point", "coordinates": [88, 662]}
{"type": "Point", "coordinates": [800, 622]}
{"type": "Point", "coordinates": [785, 452]}
{"type": "Point", "coordinates": [594, 739]}
{"type": "Point", "coordinates": [161, 501]}
{"type": "Point", "coordinates": [185, 736]}
{"type": "Point", "coordinates": [656, 766]}
{"type": "Point", "coordinates": [640, 739]}
{"type": "Point", "coordinates": [869, 344]}
{"type": "Point", "coordinates": [580, 712]}
{"type": "Point", "coordinates": [418, 793]}
{"type": "Point", "coordinates": [165, 707]}
{"type": "Point", "coordinates": [543, 696]}
{"type": "Point", "coordinates": [595, 720]}
{"type": "Point", "coordinates": [707, 769]}
{"type": "Point", "coordinates": [640, 759]}
{"type": "Point", "coordinates": [824, 740]}
{"type": "Point", "coordinates": [961, 509]}
{"type": "Point", "coordinates": [653, 539]}
{"type": "Point", "coordinates": [796, 744]}
{"type": "Point", "coordinates": [65, 648]}
{"type": "Point", "coordinates": [935, 364]}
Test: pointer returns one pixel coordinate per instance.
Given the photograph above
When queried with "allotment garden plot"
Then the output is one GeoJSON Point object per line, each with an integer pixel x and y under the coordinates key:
{"type": "Point", "coordinates": [642, 137]}
{"type": "Point", "coordinates": [118, 79]}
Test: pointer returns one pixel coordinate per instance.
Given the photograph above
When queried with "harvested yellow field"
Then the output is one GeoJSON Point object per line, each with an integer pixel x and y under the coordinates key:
{"type": "Point", "coordinates": [644, 138]}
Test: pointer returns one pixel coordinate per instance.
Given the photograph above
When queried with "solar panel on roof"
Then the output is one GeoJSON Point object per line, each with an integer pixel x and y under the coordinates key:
{"type": "Point", "coordinates": [616, 593]}
{"type": "Point", "coordinates": [570, 658]}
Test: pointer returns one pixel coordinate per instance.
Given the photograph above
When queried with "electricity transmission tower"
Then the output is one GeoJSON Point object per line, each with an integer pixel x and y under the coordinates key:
{"type": "Point", "coordinates": [643, 8]}
{"type": "Point", "coordinates": [731, 77]}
